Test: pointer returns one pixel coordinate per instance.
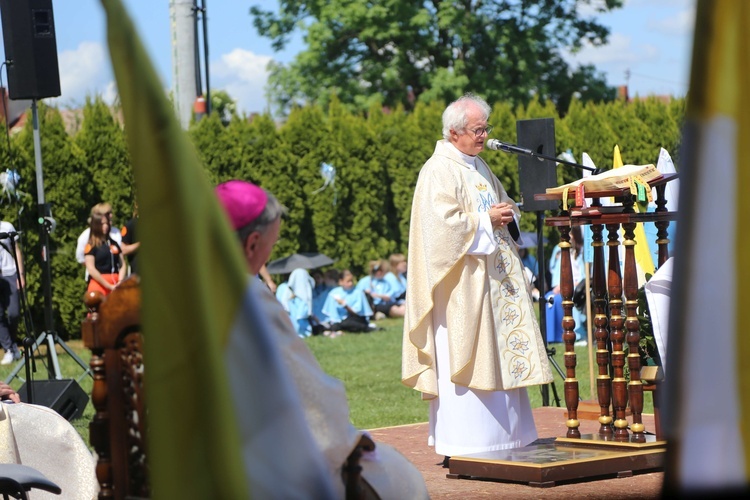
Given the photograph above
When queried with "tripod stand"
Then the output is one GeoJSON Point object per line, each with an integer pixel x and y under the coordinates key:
{"type": "Point", "coordinates": [537, 172]}
{"type": "Point", "coordinates": [541, 272]}
{"type": "Point", "coordinates": [550, 355]}
{"type": "Point", "coordinates": [46, 223]}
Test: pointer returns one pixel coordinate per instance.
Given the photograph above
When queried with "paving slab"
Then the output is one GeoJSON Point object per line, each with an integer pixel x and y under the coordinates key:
{"type": "Point", "coordinates": [411, 441]}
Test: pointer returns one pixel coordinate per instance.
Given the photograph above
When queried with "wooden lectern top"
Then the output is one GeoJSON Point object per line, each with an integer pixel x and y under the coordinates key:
{"type": "Point", "coordinates": [616, 214]}
{"type": "Point", "coordinates": [617, 193]}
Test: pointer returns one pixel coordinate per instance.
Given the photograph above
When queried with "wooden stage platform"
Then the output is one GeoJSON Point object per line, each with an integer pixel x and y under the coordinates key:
{"type": "Point", "coordinates": [411, 441]}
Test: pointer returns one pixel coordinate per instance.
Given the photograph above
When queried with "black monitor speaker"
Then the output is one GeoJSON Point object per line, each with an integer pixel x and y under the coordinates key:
{"type": "Point", "coordinates": [536, 176]}
{"type": "Point", "coordinates": [64, 396]}
{"type": "Point", "coordinates": [30, 49]}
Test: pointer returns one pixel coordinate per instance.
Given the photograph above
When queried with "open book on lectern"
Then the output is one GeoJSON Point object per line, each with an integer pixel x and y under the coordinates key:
{"type": "Point", "coordinates": [617, 178]}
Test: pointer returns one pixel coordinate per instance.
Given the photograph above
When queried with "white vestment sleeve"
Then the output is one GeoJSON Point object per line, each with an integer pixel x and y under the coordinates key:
{"type": "Point", "coordinates": [484, 240]}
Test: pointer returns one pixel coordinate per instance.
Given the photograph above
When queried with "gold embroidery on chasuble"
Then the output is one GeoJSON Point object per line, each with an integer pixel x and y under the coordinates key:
{"type": "Point", "coordinates": [516, 329]}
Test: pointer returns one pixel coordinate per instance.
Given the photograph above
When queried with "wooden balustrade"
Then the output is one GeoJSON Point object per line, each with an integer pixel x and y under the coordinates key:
{"type": "Point", "coordinates": [615, 320]}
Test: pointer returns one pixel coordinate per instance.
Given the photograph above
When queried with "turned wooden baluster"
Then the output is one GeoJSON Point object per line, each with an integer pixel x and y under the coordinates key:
{"type": "Point", "coordinates": [632, 325]}
{"type": "Point", "coordinates": [603, 380]}
{"type": "Point", "coordinates": [616, 335]}
{"type": "Point", "coordinates": [99, 425]}
{"type": "Point", "coordinates": [662, 227]}
{"type": "Point", "coordinates": [131, 372]}
{"type": "Point", "coordinates": [112, 333]}
{"type": "Point", "coordinates": [569, 336]}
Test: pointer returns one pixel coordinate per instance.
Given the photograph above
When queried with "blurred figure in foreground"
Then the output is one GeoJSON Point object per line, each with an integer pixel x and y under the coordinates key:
{"type": "Point", "coordinates": [256, 216]}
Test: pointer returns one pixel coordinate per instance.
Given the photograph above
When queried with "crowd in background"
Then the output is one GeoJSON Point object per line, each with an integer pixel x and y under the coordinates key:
{"type": "Point", "coordinates": [334, 301]}
{"type": "Point", "coordinates": [319, 302]}
{"type": "Point", "coordinates": [548, 290]}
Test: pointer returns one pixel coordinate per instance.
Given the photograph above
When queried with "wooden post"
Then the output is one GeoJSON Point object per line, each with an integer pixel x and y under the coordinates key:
{"type": "Point", "coordinates": [569, 336]}
{"type": "Point", "coordinates": [632, 325]}
{"type": "Point", "coordinates": [589, 328]}
{"type": "Point", "coordinates": [603, 380]}
{"type": "Point", "coordinates": [616, 335]}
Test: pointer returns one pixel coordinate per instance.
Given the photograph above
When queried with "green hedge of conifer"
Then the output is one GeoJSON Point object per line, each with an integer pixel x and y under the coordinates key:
{"type": "Point", "coordinates": [363, 215]}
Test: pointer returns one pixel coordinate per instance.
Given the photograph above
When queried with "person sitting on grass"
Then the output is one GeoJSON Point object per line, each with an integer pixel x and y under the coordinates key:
{"type": "Point", "coordinates": [320, 292]}
{"type": "Point", "coordinates": [380, 292]}
{"type": "Point", "coordinates": [301, 301]}
{"type": "Point", "coordinates": [346, 308]}
{"type": "Point", "coordinates": [397, 276]}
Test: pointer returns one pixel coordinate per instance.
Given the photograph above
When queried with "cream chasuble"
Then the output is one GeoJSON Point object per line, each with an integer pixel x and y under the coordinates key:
{"type": "Point", "coordinates": [472, 315]}
{"type": "Point", "coordinates": [493, 336]}
{"type": "Point", "coordinates": [515, 324]}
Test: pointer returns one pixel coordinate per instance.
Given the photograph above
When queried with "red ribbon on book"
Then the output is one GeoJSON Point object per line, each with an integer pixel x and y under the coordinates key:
{"type": "Point", "coordinates": [580, 196]}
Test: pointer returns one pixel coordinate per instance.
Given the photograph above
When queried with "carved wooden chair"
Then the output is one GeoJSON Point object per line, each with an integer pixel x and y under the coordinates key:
{"type": "Point", "coordinates": [118, 431]}
{"type": "Point", "coordinates": [113, 334]}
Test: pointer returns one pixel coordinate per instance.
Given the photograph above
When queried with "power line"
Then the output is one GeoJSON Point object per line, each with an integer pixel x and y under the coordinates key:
{"type": "Point", "coordinates": [682, 84]}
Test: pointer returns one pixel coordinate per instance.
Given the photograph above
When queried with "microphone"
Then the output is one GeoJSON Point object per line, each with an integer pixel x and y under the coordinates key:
{"type": "Point", "coordinates": [496, 145]}
{"type": "Point", "coordinates": [48, 223]}
{"type": "Point", "coordinates": [5, 236]}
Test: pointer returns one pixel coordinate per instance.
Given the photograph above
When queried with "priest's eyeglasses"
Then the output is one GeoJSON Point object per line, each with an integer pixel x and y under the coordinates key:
{"type": "Point", "coordinates": [479, 131]}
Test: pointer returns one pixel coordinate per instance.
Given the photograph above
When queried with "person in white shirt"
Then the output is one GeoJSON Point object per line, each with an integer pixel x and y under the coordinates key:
{"type": "Point", "coordinates": [11, 281]}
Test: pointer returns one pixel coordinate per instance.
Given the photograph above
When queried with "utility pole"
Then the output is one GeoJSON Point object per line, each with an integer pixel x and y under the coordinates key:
{"type": "Point", "coordinates": [184, 89]}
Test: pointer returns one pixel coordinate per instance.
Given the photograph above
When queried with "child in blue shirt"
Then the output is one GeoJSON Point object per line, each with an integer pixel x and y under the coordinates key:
{"type": "Point", "coordinates": [397, 276]}
{"type": "Point", "coordinates": [381, 292]}
{"type": "Point", "coordinates": [346, 308]}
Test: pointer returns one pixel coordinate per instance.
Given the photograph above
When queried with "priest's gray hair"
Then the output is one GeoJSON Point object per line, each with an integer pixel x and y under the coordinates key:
{"type": "Point", "coordinates": [273, 211]}
{"type": "Point", "coordinates": [454, 116]}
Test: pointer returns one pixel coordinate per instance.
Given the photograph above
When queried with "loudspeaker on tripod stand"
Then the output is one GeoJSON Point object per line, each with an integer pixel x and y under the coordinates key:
{"type": "Point", "coordinates": [536, 176]}
{"type": "Point", "coordinates": [64, 396]}
{"type": "Point", "coordinates": [30, 49]}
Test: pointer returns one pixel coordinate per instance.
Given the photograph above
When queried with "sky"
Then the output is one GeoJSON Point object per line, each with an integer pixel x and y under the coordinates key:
{"type": "Point", "coordinates": [649, 48]}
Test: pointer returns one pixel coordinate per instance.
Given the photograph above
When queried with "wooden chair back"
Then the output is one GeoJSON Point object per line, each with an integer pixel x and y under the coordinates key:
{"type": "Point", "coordinates": [112, 331]}
{"type": "Point", "coordinates": [118, 430]}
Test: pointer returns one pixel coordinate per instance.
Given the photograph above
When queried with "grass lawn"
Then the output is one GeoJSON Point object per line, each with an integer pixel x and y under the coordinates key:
{"type": "Point", "coordinates": [368, 364]}
{"type": "Point", "coordinates": [370, 367]}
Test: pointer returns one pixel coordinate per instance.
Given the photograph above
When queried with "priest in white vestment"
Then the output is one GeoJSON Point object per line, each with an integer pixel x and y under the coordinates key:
{"type": "Point", "coordinates": [472, 344]}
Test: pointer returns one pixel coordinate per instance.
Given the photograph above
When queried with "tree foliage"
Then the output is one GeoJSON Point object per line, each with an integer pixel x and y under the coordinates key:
{"type": "Point", "coordinates": [398, 53]}
{"type": "Point", "coordinates": [223, 105]}
{"type": "Point", "coordinates": [62, 174]}
{"type": "Point", "coordinates": [363, 215]}
{"type": "Point", "coordinates": [107, 165]}
{"type": "Point", "coordinates": [217, 151]}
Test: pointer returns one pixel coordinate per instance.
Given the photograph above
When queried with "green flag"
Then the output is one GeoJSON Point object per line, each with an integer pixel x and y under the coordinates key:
{"type": "Point", "coordinates": [224, 418]}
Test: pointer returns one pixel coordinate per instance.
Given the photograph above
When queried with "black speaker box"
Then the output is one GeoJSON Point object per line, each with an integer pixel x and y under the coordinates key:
{"type": "Point", "coordinates": [30, 48]}
{"type": "Point", "coordinates": [536, 176]}
{"type": "Point", "coordinates": [64, 396]}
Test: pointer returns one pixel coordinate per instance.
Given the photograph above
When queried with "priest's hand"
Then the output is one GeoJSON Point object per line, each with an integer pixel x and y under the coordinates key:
{"type": "Point", "coordinates": [501, 214]}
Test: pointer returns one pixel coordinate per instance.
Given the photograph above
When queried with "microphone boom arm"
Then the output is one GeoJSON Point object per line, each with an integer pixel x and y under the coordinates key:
{"type": "Point", "coordinates": [512, 148]}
